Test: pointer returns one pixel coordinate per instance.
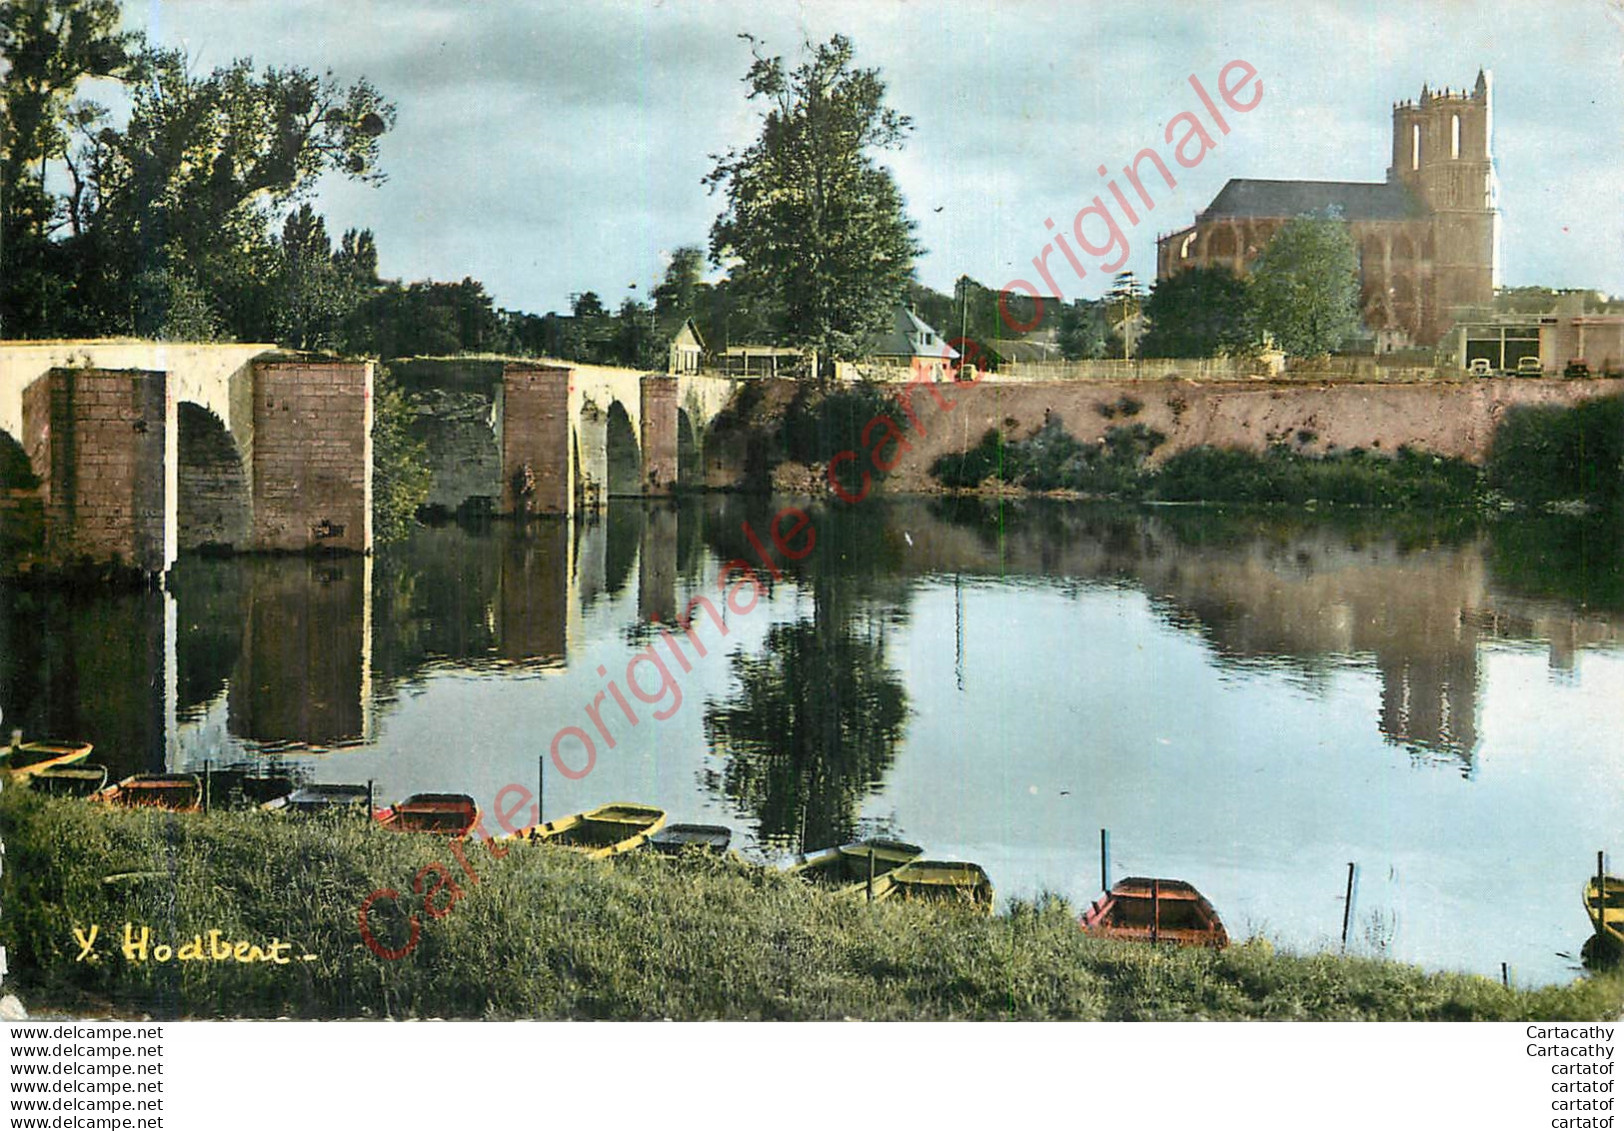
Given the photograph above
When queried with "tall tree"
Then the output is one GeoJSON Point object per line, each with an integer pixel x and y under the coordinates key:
{"type": "Point", "coordinates": [813, 227]}
{"type": "Point", "coordinates": [1201, 312]}
{"type": "Point", "coordinates": [191, 185]}
{"type": "Point", "coordinates": [1305, 286]}
{"type": "Point", "coordinates": [1083, 330]}
{"type": "Point", "coordinates": [1123, 303]}
{"type": "Point", "coordinates": [677, 295]}
{"type": "Point", "coordinates": [49, 47]}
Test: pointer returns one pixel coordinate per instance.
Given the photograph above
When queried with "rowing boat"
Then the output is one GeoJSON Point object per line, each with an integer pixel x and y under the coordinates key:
{"type": "Point", "coordinates": [849, 867]}
{"type": "Point", "coordinates": [674, 839]}
{"type": "Point", "coordinates": [242, 789]}
{"type": "Point", "coordinates": [444, 814]}
{"type": "Point", "coordinates": [179, 793]}
{"type": "Point", "coordinates": [26, 759]}
{"type": "Point", "coordinates": [318, 798]}
{"type": "Point", "coordinates": [1604, 903]}
{"type": "Point", "coordinates": [937, 881]}
{"type": "Point", "coordinates": [608, 830]}
{"type": "Point", "coordinates": [1154, 910]}
{"type": "Point", "coordinates": [79, 780]}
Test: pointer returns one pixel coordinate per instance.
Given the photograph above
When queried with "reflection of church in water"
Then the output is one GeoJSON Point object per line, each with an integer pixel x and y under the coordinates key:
{"type": "Point", "coordinates": [1429, 701]}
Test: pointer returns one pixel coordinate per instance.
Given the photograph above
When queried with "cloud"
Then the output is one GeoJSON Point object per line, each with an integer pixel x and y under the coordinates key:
{"type": "Point", "coordinates": [551, 148]}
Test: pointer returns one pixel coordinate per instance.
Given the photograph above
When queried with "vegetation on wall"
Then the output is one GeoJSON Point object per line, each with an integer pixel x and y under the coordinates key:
{"type": "Point", "coordinates": [401, 478]}
{"type": "Point", "coordinates": [1545, 453]}
{"type": "Point", "coordinates": [1053, 459]}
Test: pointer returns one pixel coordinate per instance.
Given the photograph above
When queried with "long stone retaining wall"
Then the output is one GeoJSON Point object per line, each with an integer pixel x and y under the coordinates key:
{"type": "Point", "coordinates": [1452, 419]}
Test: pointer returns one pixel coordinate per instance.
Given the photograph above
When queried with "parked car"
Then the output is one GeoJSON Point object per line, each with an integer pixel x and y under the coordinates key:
{"type": "Point", "coordinates": [1529, 367]}
{"type": "Point", "coordinates": [1480, 367]}
{"type": "Point", "coordinates": [1576, 368]}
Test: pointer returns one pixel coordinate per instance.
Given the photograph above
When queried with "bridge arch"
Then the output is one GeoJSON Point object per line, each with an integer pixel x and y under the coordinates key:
{"type": "Point", "coordinates": [623, 454]}
{"type": "Point", "coordinates": [213, 501]}
{"type": "Point", "coordinates": [22, 516]}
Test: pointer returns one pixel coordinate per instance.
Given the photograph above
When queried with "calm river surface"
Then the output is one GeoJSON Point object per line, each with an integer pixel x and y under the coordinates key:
{"type": "Point", "coordinates": [1248, 701]}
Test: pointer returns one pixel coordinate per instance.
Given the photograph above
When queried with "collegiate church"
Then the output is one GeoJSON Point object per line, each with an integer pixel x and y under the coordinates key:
{"type": "Point", "coordinates": [1428, 236]}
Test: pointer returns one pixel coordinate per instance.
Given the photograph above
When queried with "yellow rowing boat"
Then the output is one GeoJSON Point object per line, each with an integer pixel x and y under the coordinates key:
{"type": "Point", "coordinates": [605, 831]}
{"type": "Point", "coordinates": [938, 881]}
{"type": "Point", "coordinates": [25, 759]}
{"type": "Point", "coordinates": [848, 868]}
{"type": "Point", "coordinates": [1604, 903]}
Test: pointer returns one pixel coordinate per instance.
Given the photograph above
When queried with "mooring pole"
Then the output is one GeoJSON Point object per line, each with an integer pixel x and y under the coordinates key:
{"type": "Point", "coordinates": [369, 799]}
{"type": "Point", "coordinates": [541, 789]}
{"type": "Point", "coordinates": [1601, 892]}
{"type": "Point", "coordinates": [1505, 975]}
{"type": "Point", "coordinates": [208, 783]}
{"type": "Point", "coordinates": [1105, 856]}
{"type": "Point", "coordinates": [1347, 907]}
{"type": "Point", "coordinates": [871, 873]}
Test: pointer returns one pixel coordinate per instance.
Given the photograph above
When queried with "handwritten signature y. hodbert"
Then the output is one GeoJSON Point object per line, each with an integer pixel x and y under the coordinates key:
{"type": "Point", "coordinates": [211, 947]}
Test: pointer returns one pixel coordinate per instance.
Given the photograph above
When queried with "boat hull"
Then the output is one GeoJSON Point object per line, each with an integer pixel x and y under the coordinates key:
{"type": "Point", "coordinates": [178, 793]}
{"type": "Point", "coordinates": [847, 868]}
{"type": "Point", "coordinates": [1155, 911]}
{"type": "Point", "coordinates": [313, 799]}
{"type": "Point", "coordinates": [673, 840]}
{"type": "Point", "coordinates": [451, 815]}
{"type": "Point", "coordinates": [79, 780]}
{"type": "Point", "coordinates": [600, 833]}
{"type": "Point", "coordinates": [1604, 903]}
{"type": "Point", "coordinates": [29, 759]}
{"type": "Point", "coordinates": [938, 881]}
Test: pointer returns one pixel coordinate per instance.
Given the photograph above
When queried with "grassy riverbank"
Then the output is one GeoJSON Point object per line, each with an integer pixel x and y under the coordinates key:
{"type": "Point", "coordinates": [546, 934]}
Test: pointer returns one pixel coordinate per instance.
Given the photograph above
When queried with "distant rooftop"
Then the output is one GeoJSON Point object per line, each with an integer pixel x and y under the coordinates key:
{"type": "Point", "coordinates": [911, 336]}
{"type": "Point", "coordinates": [1356, 200]}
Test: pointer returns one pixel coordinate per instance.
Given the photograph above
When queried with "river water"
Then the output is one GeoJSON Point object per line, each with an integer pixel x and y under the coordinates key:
{"type": "Point", "coordinates": [1246, 700]}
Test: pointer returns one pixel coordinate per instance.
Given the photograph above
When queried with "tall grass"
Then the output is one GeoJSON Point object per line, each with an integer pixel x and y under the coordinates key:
{"type": "Point", "coordinates": [546, 934]}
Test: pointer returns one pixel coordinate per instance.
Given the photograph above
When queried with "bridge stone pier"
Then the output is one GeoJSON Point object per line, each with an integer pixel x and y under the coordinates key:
{"type": "Point", "coordinates": [554, 437]}
{"type": "Point", "coordinates": [134, 451]}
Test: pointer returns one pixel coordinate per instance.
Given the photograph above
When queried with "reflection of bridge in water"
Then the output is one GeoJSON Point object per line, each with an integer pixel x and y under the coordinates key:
{"type": "Point", "coordinates": [248, 653]}
{"type": "Point", "coordinates": [293, 653]}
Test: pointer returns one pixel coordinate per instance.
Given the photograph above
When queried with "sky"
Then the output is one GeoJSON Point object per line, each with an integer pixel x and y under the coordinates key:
{"type": "Point", "coordinates": [552, 148]}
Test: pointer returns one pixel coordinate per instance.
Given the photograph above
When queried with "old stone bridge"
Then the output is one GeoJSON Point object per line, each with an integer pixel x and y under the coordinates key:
{"type": "Point", "coordinates": [132, 451]}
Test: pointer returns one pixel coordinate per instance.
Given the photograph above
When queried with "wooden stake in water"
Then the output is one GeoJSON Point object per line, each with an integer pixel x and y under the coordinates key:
{"type": "Point", "coordinates": [871, 873]}
{"type": "Point", "coordinates": [1347, 907]}
{"type": "Point", "coordinates": [369, 799]}
{"type": "Point", "coordinates": [1105, 856]}
{"type": "Point", "coordinates": [541, 788]}
{"type": "Point", "coordinates": [208, 783]}
{"type": "Point", "coordinates": [1505, 975]}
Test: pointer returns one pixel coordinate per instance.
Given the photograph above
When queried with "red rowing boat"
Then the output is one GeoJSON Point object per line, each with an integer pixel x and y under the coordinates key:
{"type": "Point", "coordinates": [1152, 910]}
{"type": "Point", "coordinates": [445, 814]}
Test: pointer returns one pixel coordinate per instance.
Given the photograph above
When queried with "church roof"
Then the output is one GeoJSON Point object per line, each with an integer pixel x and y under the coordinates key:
{"type": "Point", "coordinates": [1356, 200]}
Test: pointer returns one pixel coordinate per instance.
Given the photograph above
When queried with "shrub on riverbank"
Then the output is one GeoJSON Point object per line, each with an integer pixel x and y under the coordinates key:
{"type": "Point", "coordinates": [547, 934]}
{"type": "Point", "coordinates": [1282, 475]}
{"type": "Point", "coordinates": [1116, 467]}
{"type": "Point", "coordinates": [1545, 453]}
{"type": "Point", "coordinates": [1052, 459]}
{"type": "Point", "coordinates": [820, 424]}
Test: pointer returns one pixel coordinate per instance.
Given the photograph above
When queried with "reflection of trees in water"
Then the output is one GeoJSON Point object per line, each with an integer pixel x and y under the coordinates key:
{"type": "Point", "coordinates": [819, 713]}
{"type": "Point", "coordinates": [1288, 592]}
{"type": "Point", "coordinates": [813, 728]}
